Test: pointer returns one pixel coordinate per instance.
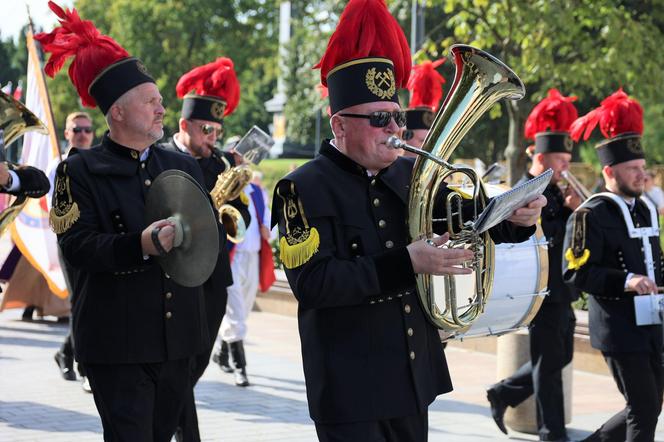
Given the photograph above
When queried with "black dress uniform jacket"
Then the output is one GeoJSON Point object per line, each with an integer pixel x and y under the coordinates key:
{"type": "Point", "coordinates": [553, 220]}
{"type": "Point", "coordinates": [368, 351]}
{"type": "Point", "coordinates": [127, 310]}
{"type": "Point", "coordinates": [613, 254]}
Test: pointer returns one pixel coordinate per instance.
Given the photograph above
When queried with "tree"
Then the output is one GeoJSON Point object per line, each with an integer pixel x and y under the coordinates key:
{"type": "Point", "coordinates": [584, 47]}
{"type": "Point", "coordinates": [173, 36]}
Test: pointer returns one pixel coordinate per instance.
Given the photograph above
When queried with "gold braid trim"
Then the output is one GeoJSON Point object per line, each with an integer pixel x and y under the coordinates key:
{"type": "Point", "coordinates": [577, 255]}
{"type": "Point", "coordinates": [301, 242]}
{"type": "Point", "coordinates": [64, 212]}
{"type": "Point", "coordinates": [574, 263]}
{"type": "Point", "coordinates": [294, 255]}
{"type": "Point", "coordinates": [60, 224]}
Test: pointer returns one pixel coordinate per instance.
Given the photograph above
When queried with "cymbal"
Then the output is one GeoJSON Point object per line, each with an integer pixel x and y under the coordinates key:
{"type": "Point", "coordinates": [176, 195]}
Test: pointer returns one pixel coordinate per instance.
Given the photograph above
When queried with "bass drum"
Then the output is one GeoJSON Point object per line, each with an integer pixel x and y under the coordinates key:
{"type": "Point", "coordinates": [517, 291]}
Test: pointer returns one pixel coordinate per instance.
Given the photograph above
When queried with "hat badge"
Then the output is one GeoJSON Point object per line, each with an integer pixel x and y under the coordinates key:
{"type": "Point", "coordinates": [217, 110]}
{"type": "Point", "coordinates": [634, 145]}
{"type": "Point", "coordinates": [381, 83]}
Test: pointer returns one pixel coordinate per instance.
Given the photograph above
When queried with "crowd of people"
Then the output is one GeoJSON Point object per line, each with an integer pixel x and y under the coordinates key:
{"type": "Point", "coordinates": [142, 340]}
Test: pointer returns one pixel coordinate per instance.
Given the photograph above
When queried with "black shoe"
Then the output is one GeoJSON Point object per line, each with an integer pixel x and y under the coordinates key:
{"type": "Point", "coordinates": [241, 379]}
{"type": "Point", "coordinates": [27, 313]}
{"type": "Point", "coordinates": [222, 358]}
{"type": "Point", "coordinates": [498, 408]}
{"type": "Point", "coordinates": [66, 366]}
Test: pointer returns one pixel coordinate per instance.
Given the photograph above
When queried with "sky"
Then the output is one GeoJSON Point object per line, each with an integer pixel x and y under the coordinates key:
{"type": "Point", "coordinates": [15, 16]}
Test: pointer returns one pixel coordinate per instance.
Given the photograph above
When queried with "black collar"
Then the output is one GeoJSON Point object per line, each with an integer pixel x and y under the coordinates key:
{"type": "Point", "coordinates": [341, 160]}
{"type": "Point", "coordinates": [120, 150]}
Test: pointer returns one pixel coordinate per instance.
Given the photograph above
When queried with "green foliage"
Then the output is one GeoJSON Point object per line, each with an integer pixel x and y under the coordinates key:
{"type": "Point", "coordinates": [274, 170]}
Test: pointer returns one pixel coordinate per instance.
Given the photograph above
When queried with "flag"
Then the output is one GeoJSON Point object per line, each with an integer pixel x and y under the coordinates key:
{"type": "Point", "coordinates": [30, 231]}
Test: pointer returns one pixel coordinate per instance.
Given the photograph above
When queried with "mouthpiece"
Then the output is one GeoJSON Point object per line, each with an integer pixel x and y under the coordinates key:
{"type": "Point", "coordinates": [395, 142]}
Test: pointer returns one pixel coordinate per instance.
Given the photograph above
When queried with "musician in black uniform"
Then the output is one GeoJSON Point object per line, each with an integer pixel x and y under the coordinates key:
{"type": "Point", "coordinates": [372, 361]}
{"type": "Point", "coordinates": [135, 329]}
{"type": "Point", "coordinates": [612, 255]}
{"type": "Point", "coordinates": [552, 330]}
{"type": "Point", "coordinates": [204, 106]}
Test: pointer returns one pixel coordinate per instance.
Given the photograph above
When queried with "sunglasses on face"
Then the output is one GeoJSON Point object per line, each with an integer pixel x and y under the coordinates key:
{"type": "Point", "coordinates": [407, 135]}
{"type": "Point", "coordinates": [381, 118]}
{"type": "Point", "coordinates": [78, 130]}
{"type": "Point", "coordinates": [207, 129]}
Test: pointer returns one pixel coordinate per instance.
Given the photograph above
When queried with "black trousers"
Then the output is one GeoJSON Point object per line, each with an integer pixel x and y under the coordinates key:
{"type": "Point", "coordinates": [402, 429]}
{"type": "Point", "coordinates": [640, 379]}
{"type": "Point", "coordinates": [551, 349]}
{"type": "Point", "coordinates": [215, 305]}
{"type": "Point", "coordinates": [140, 402]}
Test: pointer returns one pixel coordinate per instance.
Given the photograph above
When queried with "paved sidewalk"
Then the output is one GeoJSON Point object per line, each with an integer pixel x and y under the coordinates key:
{"type": "Point", "coordinates": [36, 404]}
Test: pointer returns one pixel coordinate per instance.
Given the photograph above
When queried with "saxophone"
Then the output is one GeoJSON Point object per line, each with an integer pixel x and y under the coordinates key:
{"type": "Point", "coordinates": [228, 187]}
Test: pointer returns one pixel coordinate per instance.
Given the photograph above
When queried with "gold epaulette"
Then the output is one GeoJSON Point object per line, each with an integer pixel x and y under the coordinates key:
{"type": "Point", "coordinates": [301, 241]}
{"type": "Point", "coordinates": [64, 212]}
{"type": "Point", "coordinates": [577, 255]}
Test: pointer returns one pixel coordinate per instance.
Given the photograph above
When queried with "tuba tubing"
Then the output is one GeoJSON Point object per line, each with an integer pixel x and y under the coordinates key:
{"type": "Point", "coordinates": [480, 81]}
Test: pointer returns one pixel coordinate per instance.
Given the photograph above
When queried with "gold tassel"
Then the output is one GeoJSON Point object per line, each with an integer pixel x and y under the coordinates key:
{"type": "Point", "coordinates": [574, 263]}
{"type": "Point", "coordinates": [60, 224]}
{"type": "Point", "coordinates": [298, 254]}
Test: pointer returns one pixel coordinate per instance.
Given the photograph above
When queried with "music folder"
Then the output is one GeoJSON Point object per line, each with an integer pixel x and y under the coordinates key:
{"type": "Point", "coordinates": [501, 207]}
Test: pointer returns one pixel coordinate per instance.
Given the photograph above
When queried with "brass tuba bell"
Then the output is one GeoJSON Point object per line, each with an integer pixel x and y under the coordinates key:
{"type": "Point", "coordinates": [480, 81]}
{"type": "Point", "coordinates": [15, 120]}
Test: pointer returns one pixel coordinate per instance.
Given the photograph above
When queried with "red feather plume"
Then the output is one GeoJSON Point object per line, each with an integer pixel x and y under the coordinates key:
{"type": "Point", "coordinates": [80, 39]}
{"type": "Point", "coordinates": [217, 79]}
{"type": "Point", "coordinates": [556, 113]}
{"type": "Point", "coordinates": [367, 29]}
{"type": "Point", "coordinates": [617, 114]}
{"type": "Point", "coordinates": [426, 85]}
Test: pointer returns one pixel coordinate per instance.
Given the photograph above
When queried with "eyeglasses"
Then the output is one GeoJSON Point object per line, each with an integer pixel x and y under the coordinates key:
{"type": "Point", "coordinates": [407, 135]}
{"type": "Point", "coordinates": [79, 129]}
{"type": "Point", "coordinates": [207, 129]}
{"type": "Point", "coordinates": [381, 118]}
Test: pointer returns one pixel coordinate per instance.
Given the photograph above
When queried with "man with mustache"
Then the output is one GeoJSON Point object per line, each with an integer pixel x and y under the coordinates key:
{"type": "Point", "coordinates": [372, 361]}
{"type": "Point", "coordinates": [135, 329]}
{"type": "Point", "coordinates": [612, 252]}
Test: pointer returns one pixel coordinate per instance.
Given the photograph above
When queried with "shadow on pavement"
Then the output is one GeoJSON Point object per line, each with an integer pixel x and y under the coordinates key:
{"type": "Point", "coordinates": [254, 405]}
{"type": "Point", "coordinates": [28, 342]}
{"type": "Point", "coordinates": [24, 414]}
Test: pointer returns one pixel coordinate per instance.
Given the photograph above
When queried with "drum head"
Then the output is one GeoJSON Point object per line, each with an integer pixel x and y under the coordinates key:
{"type": "Point", "coordinates": [176, 194]}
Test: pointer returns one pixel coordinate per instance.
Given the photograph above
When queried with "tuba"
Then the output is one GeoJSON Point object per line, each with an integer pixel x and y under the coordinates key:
{"type": "Point", "coordinates": [480, 81]}
{"type": "Point", "coordinates": [15, 120]}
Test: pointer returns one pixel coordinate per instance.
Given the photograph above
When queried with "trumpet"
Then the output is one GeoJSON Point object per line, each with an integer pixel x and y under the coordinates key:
{"type": "Point", "coordinates": [576, 185]}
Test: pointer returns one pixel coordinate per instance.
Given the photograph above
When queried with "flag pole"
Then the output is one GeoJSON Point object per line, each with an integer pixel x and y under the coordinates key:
{"type": "Point", "coordinates": [33, 52]}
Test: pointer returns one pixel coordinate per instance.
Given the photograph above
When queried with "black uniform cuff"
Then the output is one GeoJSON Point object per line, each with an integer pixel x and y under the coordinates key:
{"type": "Point", "coordinates": [128, 251]}
{"type": "Point", "coordinates": [615, 282]}
{"type": "Point", "coordinates": [394, 270]}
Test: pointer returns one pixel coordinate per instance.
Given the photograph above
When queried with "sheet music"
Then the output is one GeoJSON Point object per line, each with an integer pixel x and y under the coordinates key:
{"type": "Point", "coordinates": [254, 145]}
{"type": "Point", "coordinates": [501, 207]}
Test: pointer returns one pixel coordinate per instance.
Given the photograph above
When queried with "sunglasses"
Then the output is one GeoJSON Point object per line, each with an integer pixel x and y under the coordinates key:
{"type": "Point", "coordinates": [207, 129]}
{"type": "Point", "coordinates": [407, 135]}
{"type": "Point", "coordinates": [381, 118]}
{"type": "Point", "coordinates": [78, 130]}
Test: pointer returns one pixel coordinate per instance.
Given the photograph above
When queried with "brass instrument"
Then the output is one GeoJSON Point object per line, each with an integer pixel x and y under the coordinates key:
{"type": "Point", "coordinates": [480, 81]}
{"type": "Point", "coordinates": [15, 120]}
{"type": "Point", "coordinates": [228, 187]}
{"type": "Point", "coordinates": [576, 185]}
